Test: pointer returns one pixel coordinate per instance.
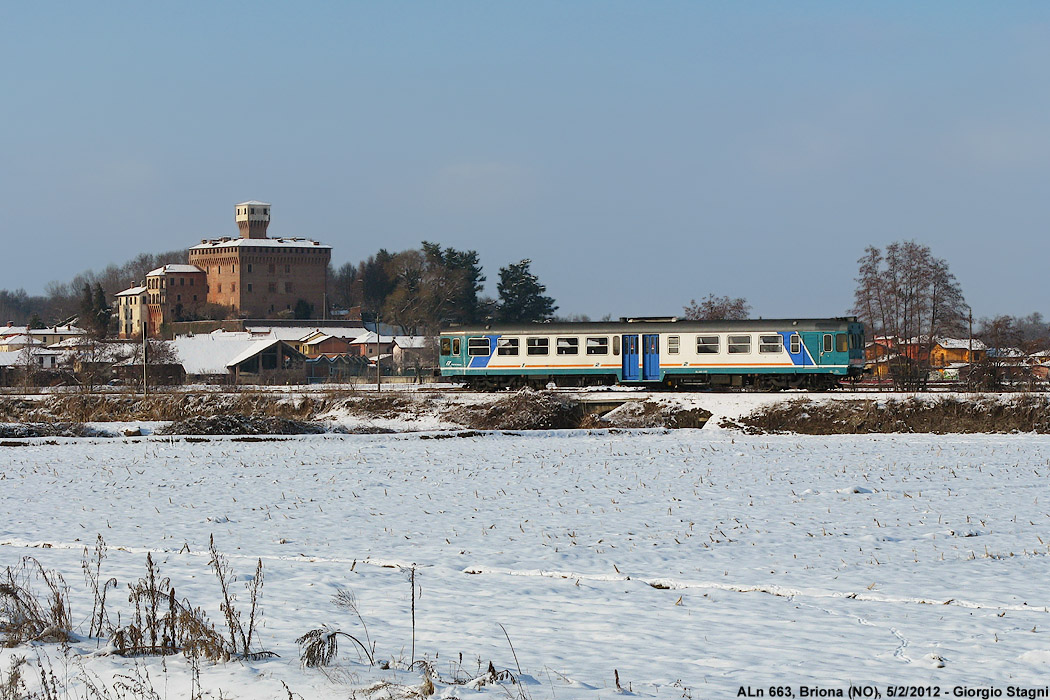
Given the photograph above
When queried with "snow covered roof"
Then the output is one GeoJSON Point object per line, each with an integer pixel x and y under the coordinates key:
{"type": "Point", "coordinates": [300, 333]}
{"type": "Point", "coordinates": [173, 269]}
{"type": "Point", "coordinates": [58, 330]}
{"type": "Point", "coordinates": [210, 353]}
{"type": "Point", "coordinates": [216, 352]}
{"type": "Point", "coordinates": [402, 341]}
{"type": "Point", "coordinates": [259, 243]}
{"type": "Point", "coordinates": [252, 203]}
{"type": "Point", "coordinates": [22, 339]}
{"type": "Point", "coordinates": [960, 343]}
{"type": "Point", "coordinates": [8, 331]}
{"type": "Point", "coordinates": [251, 350]}
{"type": "Point", "coordinates": [13, 358]}
{"type": "Point", "coordinates": [131, 292]}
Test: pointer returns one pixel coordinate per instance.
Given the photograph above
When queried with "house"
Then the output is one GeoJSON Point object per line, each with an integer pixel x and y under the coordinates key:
{"type": "Point", "coordinates": [239, 357]}
{"type": "Point", "coordinates": [948, 351]}
{"type": "Point", "coordinates": [132, 311]}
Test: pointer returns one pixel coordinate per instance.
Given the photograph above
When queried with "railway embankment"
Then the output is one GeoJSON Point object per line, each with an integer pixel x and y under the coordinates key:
{"type": "Point", "coordinates": [1020, 413]}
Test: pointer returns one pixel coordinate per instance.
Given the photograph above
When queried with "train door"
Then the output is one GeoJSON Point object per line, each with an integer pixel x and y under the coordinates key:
{"type": "Point", "coordinates": [814, 344]}
{"type": "Point", "coordinates": [630, 358]}
{"type": "Point", "coordinates": [651, 357]}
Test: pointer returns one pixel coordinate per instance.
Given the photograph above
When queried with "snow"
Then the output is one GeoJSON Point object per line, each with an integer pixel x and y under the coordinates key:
{"type": "Point", "coordinates": [689, 562]}
{"type": "Point", "coordinates": [173, 268]}
{"type": "Point", "coordinates": [259, 243]}
{"type": "Point", "coordinates": [212, 353]}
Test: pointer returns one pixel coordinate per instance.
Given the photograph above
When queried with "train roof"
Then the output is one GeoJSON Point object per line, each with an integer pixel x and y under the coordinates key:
{"type": "Point", "coordinates": [658, 326]}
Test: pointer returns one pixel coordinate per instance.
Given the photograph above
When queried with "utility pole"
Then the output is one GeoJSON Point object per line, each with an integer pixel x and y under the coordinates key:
{"type": "Point", "coordinates": [144, 346]}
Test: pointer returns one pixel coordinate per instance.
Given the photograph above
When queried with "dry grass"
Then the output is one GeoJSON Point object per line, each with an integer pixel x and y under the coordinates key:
{"type": "Point", "coordinates": [1024, 413]}
{"type": "Point", "coordinates": [523, 410]}
{"type": "Point", "coordinates": [34, 605]}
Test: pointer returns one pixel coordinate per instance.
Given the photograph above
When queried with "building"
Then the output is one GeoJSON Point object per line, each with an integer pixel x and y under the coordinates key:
{"type": "Point", "coordinates": [175, 292]}
{"type": "Point", "coordinates": [261, 277]}
{"type": "Point", "coordinates": [132, 311]}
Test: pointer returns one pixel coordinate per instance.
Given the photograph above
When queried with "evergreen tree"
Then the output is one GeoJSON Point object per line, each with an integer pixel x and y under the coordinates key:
{"type": "Point", "coordinates": [35, 323]}
{"type": "Point", "coordinates": [521, 296]}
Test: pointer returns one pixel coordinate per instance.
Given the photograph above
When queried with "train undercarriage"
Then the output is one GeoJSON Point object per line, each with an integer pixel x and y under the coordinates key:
{"type": "Point", "coordinates": [696, 382]}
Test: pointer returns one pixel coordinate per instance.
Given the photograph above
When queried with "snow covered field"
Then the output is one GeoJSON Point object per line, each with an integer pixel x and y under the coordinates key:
{"type": "Point", "coordinates": [691, 562]}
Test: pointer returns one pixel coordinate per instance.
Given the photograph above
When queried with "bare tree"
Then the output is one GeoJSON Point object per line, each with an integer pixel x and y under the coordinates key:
{"type": "Point", "coordinates": [714, 308]}
{"type": "Point", "coordinates": [911, 297]}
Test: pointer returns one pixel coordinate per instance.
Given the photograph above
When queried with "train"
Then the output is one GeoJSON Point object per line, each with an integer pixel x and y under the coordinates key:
{"type": "Point", "coordinates": [757, 354]}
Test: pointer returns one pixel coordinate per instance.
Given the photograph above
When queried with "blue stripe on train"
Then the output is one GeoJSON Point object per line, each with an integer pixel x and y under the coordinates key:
{"type": "Point", "coordinates": [483, 360]}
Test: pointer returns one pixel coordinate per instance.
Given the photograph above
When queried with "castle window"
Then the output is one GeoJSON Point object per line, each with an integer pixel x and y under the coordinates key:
{"type": "Point", "coordinates": [249, 267]}
{"type": "Point", "coordinates": [272, 288]}
{"type": "Point", "coordinates": [287, 287]}
{"type": "Point", "coordinates": [253, 210]}
{"type": "Point", "coordinates": [287, 268]}
{"type": "Point", "coordinates": [233, 287]}
{"type": "Point", "coordinates": [234, 269]}
{"type": "Point", "coordinates": [220, 287]}
{"type": "Point", "coordinates": [249, 287]}
{"type": "Point", "coordinates": [182, 281]}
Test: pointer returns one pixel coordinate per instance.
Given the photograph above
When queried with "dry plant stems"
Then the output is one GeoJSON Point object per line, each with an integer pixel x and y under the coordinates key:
{"type": "Point", "coordinates": [226, 577]}
{"type": "Point", "coordinates": [12, 687]}
{"type": "Point", "coordinates": [320, 646]}
{"type": "Point", "coordinates": [344, 598]}
{"type": "Point", "coordinates": [412, 579]}
{"type": "Point", "coordinates": [92, 567]}
{"type": "Point", "coordinates": [25, 615]}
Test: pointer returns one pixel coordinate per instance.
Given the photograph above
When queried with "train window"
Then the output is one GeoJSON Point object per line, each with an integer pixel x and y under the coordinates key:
{"type": "Point", "coordinates": [841, 342]}
{"type": "Point", "coordinates": [568, 346]}
{"type": "Point", "coordinates": [739, 344]}
{"type": "Point", "coordinates": [446, 346]}
{"type": "Point", "coordinates": [770, 343]}
{"type": "Point", "coordinates": [706, 344]}
{"type": "Point", "coordinates": [828, 342]}
{"type": "Point", "coordinates": [479, 346]}
{"type": "Point", "coordinates": [796, 344]}
{"type": "Point", "coordinates": [506, 346]}
{"type": "Point", "coordinates": [537, 346]}
{"type": "Point", "coordinates": [598, 346]}
{"type": "Point", "coordinates": [455, 346]}
{"type": "Point", "coordinates": [616, 345]}
{"type": "Point", "coordinates": [854, 342]}
{"type": "Point", "coordinates": [673, 342]}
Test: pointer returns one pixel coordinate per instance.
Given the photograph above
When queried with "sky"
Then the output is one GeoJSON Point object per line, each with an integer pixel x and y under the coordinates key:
{"type": "Point", "coordinates": [641, 154]}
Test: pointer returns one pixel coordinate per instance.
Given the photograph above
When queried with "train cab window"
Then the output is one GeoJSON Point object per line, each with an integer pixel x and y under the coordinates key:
{"type": "Point", "coordinates": [446, 346]}
{"type": "Point", "coordinates": [796, 344]}
{"type": "Point", "coordinates": [598, 346]}
{"type": "Point", "coordinates": [537, 346]}
{"type": "Point", "coordinates": [841, 342]}
{"type": "Point", "coordinates": [829, 342]}
{"type": "Point", "coordinates": [506, 346]}
{"type": "Point", "coordinates": [479, 346]}
{"type": "Point", "coordinates": [706, 344]}
{"type": "Point", "coordinates": [568, 346]}
{"type": "Point", "coordinates": [616, 345]}
{"type": "Point", "coordinates": [673, 342]}
{"type": "Point", "coordinates": [770, 344]}
{"type": "Point", "coordinates": [739, 344]}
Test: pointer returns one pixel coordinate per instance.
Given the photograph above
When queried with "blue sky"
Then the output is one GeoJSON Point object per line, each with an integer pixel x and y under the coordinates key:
{"type": "Point", "coordinates": [641, 154]}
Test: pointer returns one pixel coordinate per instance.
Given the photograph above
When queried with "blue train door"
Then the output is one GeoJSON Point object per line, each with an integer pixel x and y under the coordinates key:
{"type": "Point", "coordinates": [630, 358]}
{"type": "Point", "coordinates": [651, 357]}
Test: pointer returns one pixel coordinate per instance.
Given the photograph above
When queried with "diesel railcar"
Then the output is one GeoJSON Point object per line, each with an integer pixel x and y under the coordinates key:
{"type": "Point", "coordinates": [765, 354]}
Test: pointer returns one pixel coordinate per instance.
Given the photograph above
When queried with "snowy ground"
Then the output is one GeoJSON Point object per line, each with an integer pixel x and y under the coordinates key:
{"type": "Point", "coordinates": [690, 562]}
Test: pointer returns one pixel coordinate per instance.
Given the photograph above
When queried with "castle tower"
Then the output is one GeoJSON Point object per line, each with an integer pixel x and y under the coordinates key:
{"type": "Point", "coordinates": [253, 218]}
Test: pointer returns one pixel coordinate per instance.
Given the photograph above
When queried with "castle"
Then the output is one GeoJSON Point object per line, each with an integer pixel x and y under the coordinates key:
{"type": "Point", "coordinates": [252, 275]}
